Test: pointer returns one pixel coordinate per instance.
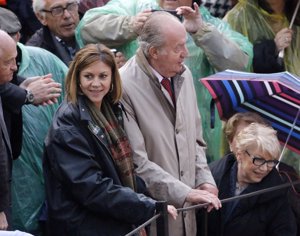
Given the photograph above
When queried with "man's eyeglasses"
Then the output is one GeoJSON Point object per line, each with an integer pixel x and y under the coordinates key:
{"type": "Point", "coordinates": [59, 11]}
{"type": "Point", "coordinates": [258, 161]}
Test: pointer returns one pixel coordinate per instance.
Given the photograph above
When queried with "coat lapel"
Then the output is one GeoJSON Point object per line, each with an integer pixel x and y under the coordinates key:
{"type": "Point", "coordinates": [156, 86]}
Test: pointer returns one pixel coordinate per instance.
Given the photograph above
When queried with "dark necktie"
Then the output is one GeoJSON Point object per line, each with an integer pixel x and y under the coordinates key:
{"type": "Point", "coordinates": [167, 85]}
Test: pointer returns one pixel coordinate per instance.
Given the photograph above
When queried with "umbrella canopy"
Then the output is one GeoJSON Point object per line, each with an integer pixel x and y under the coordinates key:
{"type": "Point", "coordinates": [276, 97]}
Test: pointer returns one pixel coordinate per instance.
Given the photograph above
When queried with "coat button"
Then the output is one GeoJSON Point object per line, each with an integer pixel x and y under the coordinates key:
{"type": "Point", "coordinates": [177, 131]}
{"type": "Point", "coordinates": [181, 173]}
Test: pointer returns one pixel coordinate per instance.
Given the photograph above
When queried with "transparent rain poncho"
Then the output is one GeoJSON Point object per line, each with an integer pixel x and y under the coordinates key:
{"type": "Point", "coordinates": [28, 193]}
{"type": "Point", "coordinates": [248, 18]}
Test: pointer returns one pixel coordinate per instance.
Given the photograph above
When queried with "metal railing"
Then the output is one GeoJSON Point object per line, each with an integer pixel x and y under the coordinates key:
{"type": "Point", "coordinates": [161, 216]}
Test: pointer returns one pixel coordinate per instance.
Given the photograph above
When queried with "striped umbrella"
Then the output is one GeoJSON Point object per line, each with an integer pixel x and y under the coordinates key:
{"type": "Point", "coordinates": [276, 97]}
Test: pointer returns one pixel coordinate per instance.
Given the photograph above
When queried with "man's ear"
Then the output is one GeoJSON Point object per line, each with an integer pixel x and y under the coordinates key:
{"type": "Point", "coordinates": [153, 52]}
{"type": "Point", "coordinates": [42, 18]}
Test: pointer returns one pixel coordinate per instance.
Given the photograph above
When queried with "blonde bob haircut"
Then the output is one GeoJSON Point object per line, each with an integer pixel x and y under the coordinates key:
{"type": "Point", "coordinates": [86, 56]}
{"type": "Point", "coordinates": [259, 137]}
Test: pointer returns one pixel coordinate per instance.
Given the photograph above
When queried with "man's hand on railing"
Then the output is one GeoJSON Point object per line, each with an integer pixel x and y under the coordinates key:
{"type": "Point", "coordinates": [197, 196]}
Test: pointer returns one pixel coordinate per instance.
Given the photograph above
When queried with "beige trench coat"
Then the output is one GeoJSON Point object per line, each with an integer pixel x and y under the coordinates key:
{"type": "Point", "coordinates": [168, 146]}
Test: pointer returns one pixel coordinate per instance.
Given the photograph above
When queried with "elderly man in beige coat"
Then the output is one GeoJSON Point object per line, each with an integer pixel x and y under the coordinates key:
{"type": "Point", "coordinates": [164, 127]}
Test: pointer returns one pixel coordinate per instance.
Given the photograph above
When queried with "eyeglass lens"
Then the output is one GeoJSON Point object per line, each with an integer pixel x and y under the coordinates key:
{"type": "Point", "coordinates": [58, 11]}
{"type": "Point", "coordinates": [258, 161]}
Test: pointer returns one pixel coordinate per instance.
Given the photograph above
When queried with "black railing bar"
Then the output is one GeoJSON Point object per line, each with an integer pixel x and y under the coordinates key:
{"type": "Point", "coordinates": [242, 196]}
{"type": "Point", "coordinates": [136, 230]}
{"type": "Point", "coordinates": [266, 190]}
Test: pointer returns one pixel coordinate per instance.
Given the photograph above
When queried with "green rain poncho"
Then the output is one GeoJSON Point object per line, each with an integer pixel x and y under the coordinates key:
{"type": "Point", "coordinates": [223, 48]}
{"type": "Point", "coordinates": [27, 176]}
{"type": "Point", "coordinates": [248, 18]}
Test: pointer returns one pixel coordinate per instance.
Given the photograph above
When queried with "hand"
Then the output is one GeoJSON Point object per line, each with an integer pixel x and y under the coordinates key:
{"type": "Point", "coordinates": [44, 88]}
{"type": "Point", "coordinates": [283, 39]}
{"type": "Point", "coordinates": [3, 221]}
{"type": "Point", "coordinates": [192, 18]}
{"type": "Point", "coordinates": [120, 59]}
{"type": "Point", "coordinates": [172, 211]}
{"type": "Point", "coordinates": [209, 188]}
{"type": "Point", "coordinates": [197, 196]}
{"type": "Point", "coordinates": [138, 21]}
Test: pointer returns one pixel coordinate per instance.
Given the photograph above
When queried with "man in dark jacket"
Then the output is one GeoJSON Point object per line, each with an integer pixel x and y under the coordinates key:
{"type": "Point", "coordinates": [59, 20]}
{"type": "Point", "coordinates": [7, 65]}
{"type": "Point", "coordinates": [36, 91]}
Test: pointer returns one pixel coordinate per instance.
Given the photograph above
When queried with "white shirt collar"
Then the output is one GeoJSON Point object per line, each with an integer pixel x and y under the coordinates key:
{"type": "Point", "coordinates": [159, 76]}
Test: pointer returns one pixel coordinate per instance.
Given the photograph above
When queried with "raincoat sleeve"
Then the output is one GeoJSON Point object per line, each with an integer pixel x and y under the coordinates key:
{"type": "Point", "coordinates": [27, 171]}
{"type": "Point", "coordinates": [13, 95]}
{"type": "Point", "coordinates": [109, 24]}
{"type": "Point", "coordinates": [224, 47]}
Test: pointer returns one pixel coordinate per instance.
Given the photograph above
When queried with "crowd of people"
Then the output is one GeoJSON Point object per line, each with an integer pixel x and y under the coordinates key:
{"type": "Point", "coordinates": [102, 115]}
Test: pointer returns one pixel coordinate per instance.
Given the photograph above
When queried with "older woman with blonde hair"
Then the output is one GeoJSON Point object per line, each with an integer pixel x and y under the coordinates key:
{"type": "Point", "coordinates": [249, 168]}
{"type": "Point", "coordinates": [88, 168]}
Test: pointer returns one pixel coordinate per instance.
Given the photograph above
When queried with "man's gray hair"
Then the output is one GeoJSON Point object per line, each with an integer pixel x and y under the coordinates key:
{"type": "Point", "coordinates": [39, 5]}
{"type": "Point", "coordinates": [152, 32]}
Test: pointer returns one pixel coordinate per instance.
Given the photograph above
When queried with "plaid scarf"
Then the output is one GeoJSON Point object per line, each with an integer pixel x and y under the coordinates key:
{"type": "Point", "coordinates": [117, 140]}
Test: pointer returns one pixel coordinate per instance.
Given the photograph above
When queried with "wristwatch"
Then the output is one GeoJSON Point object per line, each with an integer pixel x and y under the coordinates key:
{"type": "Point", "coordinates": [29, 97]}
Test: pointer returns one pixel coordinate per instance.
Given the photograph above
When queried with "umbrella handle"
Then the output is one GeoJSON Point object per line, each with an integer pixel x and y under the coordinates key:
{"type": "Point", "coordinates": [281, 54]}
{"type": "Point", "coordinates": [280, 57]}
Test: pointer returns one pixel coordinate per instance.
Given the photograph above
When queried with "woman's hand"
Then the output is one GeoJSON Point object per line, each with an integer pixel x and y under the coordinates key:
{"type": "Point", "coordinates": [192, 18]}
{"type": "Point", "coordinates": [283, 39]}
{"type": "Point", "coordinates": [172, 211]}
{"type": "Point", "coordinates": [3, 221]}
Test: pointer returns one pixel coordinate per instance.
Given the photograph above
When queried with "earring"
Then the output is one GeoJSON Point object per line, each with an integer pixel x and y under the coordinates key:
{"type": "Point", "coordinates": [111, 88]}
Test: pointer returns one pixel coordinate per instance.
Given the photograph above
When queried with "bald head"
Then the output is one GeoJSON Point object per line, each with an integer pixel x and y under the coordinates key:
{"type": "Point", "coordinates": [6, 42]}
{"type": "Point", "coordinates": [8, 54]}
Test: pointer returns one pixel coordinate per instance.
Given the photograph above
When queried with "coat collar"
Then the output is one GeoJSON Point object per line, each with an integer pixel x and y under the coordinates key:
{"type": "Point", "coordinates": [178, 79]}
{"type": "Point", "coordinates": [145, 66]}
{"type": "Point", "coordinates": [117, 108]}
